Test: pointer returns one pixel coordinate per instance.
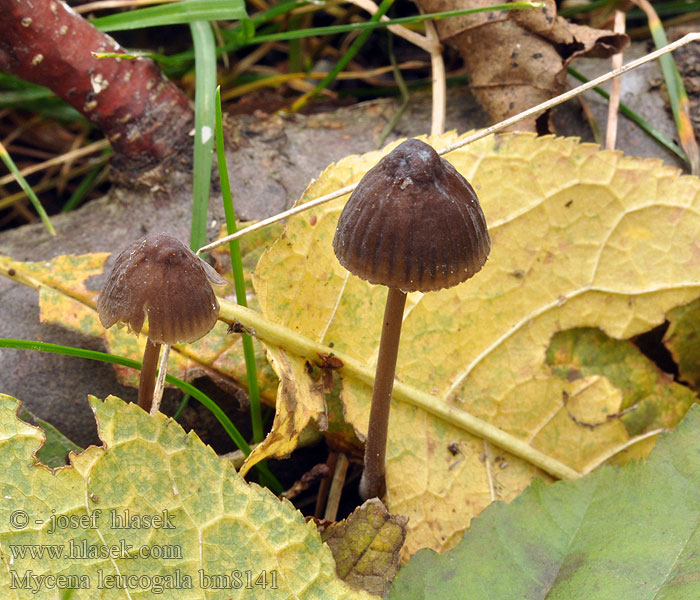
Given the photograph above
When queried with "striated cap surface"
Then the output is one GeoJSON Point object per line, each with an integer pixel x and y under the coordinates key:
{"type": "Point", "coordinates": [413, 223]}
{"type": "Point", "coordinates": [160, 278]}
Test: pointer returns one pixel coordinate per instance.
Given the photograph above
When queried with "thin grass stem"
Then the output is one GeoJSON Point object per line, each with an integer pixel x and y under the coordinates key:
{"type": "Point", "coordinates": [183, 405]}
{"type": "Point", "coordinates": [637, 119]}
{"type": "Point", "coordinates": [238, 279]}
{"type": "Point", "coordinates": [677, 95]}
{"type": "Point", "coordinates": [10, 164]}
{"type": "Point", "coordinates": [84, 187]}
{"type": "Point", "coordinates": [401, 84]}
{"type": "Point", "coordinates": [376, 24]}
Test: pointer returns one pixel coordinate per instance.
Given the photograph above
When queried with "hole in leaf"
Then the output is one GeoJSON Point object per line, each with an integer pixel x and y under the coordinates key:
{"type": "Point", "coordinates": [652, 346]}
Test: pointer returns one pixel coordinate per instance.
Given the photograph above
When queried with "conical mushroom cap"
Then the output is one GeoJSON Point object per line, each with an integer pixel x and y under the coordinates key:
{"type": "Point", "coordinates": [413, 223]}
{"type": "Point", "coordinates": [159, 277]}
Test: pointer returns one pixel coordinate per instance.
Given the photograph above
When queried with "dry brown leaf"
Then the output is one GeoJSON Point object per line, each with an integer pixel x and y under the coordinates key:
{"type": "Point", "coordinates": [518, 59]}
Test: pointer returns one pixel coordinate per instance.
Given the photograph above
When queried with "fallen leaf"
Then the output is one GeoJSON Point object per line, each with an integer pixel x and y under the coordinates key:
{"type": "Point", "coordinates": [161, 514]}
{"type": "Point", "coordinates": [517, 59]}
{"type": "Point", "coordinates": [655, 399]}
{"type": "Point", "coordinates": [307, 402]}
{"type": "Point", "coordinates": [366, 546]}
{"type": "Point", "coordinates": [54, 451]}
{"type": "Point", "coordinates": [581, 238]}
{"type": "Point", "coordinates": [624, 533]}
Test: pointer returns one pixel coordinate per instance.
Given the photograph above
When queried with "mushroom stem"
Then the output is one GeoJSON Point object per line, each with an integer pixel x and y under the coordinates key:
{"type": "Point", "coordinates": [373, 483]}
{"type": "Point", "coordinates": [148, 374]}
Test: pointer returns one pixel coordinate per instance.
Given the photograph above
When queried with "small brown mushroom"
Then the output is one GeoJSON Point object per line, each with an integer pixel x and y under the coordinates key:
{"type": "Point", "coordinates": [160, 278]}
{"type": "Point", "coordinates": [413, 224]}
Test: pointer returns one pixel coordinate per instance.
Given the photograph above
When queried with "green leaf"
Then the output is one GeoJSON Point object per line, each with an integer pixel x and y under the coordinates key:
{"type": "Point", "coordinates": [54, 452]}
{"type": "Point", "coordinates": [650, 398]}
{"type": "Point", "coordinates": [175, 13]}
{"type": "Point", "coordinates": [204, 519]}
{"type": "Point", "coordinates": [621, 533]}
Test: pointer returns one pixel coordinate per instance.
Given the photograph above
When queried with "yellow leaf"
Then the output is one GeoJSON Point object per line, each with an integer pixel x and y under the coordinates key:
{"type": "Point", "coordinates": [580, 237]}
{"type": "Point", "coordinates": [296, 406]}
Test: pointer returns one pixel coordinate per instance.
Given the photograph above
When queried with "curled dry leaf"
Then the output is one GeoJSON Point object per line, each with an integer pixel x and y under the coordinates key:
{"type": "Point", "coordinates": [518, 59]}
{"type": "Point", "coordinates": [366, 546]}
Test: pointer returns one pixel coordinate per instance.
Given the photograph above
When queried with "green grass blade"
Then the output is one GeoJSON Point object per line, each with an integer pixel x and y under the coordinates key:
{"type": "Point", "coordinates": [183, 405]}
{"type": "Point", "coordinates": [374, 23]}
{"type": "Point", "coordinates": [662, 8]}
{"type": "Point", "coordinates": [294, 48]}
{"type": "Point", "coordinates": [13, 98]}
{"type": "Point", "coordinates": [10, 164]}
{"type": "Point", "coordinates": [667, 9]}
{"type": "Point", "coordinates": [86, 184]}
{"type": "Point", "coordinates": [30, 97]}
{"type": "Point", "coordinates": [239, 36]}
{"type": "Point", "coordinates": [176, 13]}
{"type": "Point", "coordinates": [588, 7]}
{"type": "Point", "coordinates": [677, 95]}
{"type": "Point", "coordinates": [633, 116]}
{"type": "Point", "coordinates": [239, 281]}
{"type": "Point", "coordinates": [188, 388]}
{"type": "Point", "coordinates": [205, 64]}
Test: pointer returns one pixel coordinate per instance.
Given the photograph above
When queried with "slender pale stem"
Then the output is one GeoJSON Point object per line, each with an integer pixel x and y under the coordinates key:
{"type": "Point", "coordinates": [148, 374]}
{"type": "Point", "coordinates": [615, 88]}
{"type": "Point", "coordinates": [325, 485]}
{"type": "Point", "coordinates": [373, 483]}
{"type": "Point", "coordinates": [336, 491]}
{"type": "Point", "coordinates": [160, 382]}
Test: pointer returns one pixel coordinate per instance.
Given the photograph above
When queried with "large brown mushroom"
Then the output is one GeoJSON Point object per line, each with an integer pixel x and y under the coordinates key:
{"type": "Point", "coordinates": [160, 278]}
{"type": "Point", "coordinates": [413, 224]}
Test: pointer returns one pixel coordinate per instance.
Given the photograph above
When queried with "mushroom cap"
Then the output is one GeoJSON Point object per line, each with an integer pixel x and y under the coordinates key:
{"type": "Point", "coordinates": [159, 277]}
{"type": "Point", "coordinates": [412, 223]}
